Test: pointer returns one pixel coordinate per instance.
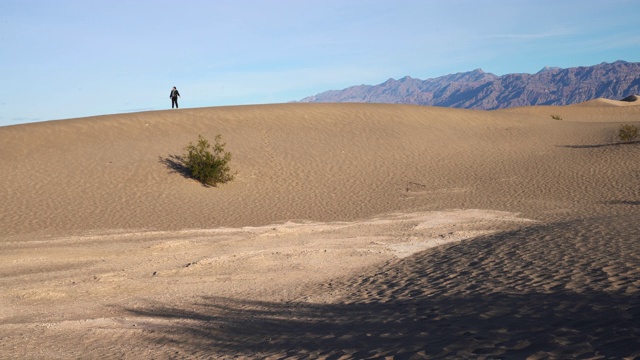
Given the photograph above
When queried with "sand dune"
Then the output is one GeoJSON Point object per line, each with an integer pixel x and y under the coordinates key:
{"type": "Point", "coordinates": [628, 101]}
{"type": "Point", "coordinates": [351, 230]}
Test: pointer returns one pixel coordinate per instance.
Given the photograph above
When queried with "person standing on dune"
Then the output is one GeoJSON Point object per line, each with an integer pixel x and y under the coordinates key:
{"type": "Point", "coordinates": [174, 95]}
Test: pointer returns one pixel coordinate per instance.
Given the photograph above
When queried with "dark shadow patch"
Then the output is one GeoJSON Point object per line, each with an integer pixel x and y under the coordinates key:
{"type": "Point", "coordinates": [175, 163]}
{"type": "Point", "coordinates": [501, 325]}
{"type": "Point", "coordinates": [545, 291]}
{"type": "Point", "coordinates": [598, 145]}
{"type": "Point", "coordinates": [623, 202]}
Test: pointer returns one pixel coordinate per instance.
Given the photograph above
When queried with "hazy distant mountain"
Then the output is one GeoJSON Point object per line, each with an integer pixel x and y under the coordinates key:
{"type": "Point", "coordinates": [480, 90]}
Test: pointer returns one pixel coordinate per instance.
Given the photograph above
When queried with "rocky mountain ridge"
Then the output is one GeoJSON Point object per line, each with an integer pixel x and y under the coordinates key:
{"type": "Point", "coordinates": [480, 90]}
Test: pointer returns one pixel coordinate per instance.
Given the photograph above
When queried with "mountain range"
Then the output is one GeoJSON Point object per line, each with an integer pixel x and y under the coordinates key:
{"type": "Point", "coordinates": [481, 90]}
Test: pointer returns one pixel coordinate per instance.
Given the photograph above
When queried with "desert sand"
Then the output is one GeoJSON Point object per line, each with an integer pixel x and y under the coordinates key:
{"type": "Point", "coordinates": [350, 231]}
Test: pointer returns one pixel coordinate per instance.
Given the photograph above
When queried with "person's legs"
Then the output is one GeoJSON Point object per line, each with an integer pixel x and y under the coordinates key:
{"type": "Point", "coordinates": [174, 101]}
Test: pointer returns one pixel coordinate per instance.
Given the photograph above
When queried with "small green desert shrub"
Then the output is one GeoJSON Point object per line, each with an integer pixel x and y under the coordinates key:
{"type": "Point", "coordinates": [556, 117]}
{"type": "Point", "coordinates": [210, 168]}
{"type": "Point", "coordinates": [628, 133]}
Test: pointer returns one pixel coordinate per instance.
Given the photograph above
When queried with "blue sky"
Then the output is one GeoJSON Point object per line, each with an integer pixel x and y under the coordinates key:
{"type": "Point", "coordinates": [65, 58]}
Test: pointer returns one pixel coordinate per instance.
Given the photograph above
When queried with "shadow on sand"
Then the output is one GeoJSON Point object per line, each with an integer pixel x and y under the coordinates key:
{"type": "Point", "coordinates": [562, 324]}
{"type": "Point", "coordinates": [175, 163]}
{"type": "Point", "coordinates": [563, 290]}
{"type": "Point", "coordinates": [593, 146]}
{"type": "Point", "coordinates": [623, 202]}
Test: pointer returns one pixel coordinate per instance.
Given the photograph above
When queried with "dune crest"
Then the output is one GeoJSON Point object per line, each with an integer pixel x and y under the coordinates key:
{"type": "Point", "coordinates": [631, 98]}
{"type": "Point", "coordinates": [628, 101]}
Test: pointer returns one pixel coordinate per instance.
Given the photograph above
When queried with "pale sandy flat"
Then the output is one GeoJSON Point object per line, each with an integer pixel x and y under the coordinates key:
{"type": "Point", "coordinates": [350, 231]}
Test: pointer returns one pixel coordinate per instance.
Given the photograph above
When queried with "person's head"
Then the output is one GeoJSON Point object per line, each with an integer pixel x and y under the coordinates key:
{"type": "Point", "coordinates": [174, 88]}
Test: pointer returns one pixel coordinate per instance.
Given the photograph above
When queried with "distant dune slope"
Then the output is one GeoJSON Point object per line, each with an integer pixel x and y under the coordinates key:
{"type": "Point", "coordinates": [312, 161]}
